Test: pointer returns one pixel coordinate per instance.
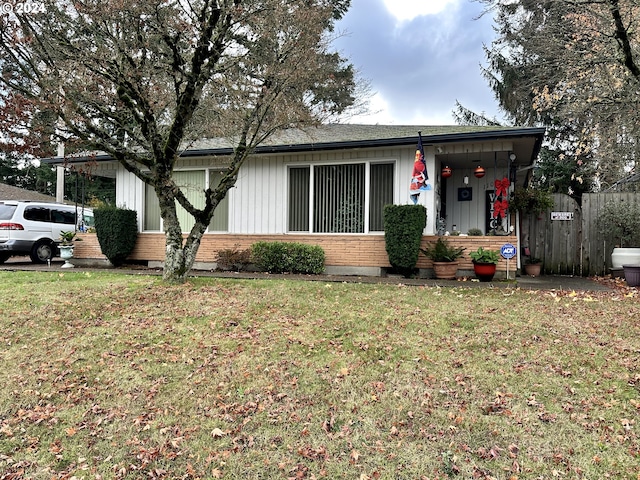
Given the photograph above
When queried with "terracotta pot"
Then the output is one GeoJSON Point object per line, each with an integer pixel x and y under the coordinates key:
{"type": "Point", "coordinates": [532, 269]}
{"type": "Point", "coordinates": [484, 271]}
{"type": "Point", "coordinates": [445, 270]}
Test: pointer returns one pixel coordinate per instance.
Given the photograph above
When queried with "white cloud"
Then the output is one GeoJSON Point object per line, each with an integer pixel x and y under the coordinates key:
{"type": "Point", "coordinates": [419, 67]}
{"type": "Point", "coordinates": [404, 10]}
{"type": "Point", "coordinates": [379, 113]}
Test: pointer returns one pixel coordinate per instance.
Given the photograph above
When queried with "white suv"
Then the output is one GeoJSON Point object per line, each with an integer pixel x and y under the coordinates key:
{"type": "Point", "coordinates": [32, 228]}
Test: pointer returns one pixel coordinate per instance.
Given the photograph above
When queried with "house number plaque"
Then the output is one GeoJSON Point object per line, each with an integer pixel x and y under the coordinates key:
{"type": "Point", "coordinates": [561, 215]}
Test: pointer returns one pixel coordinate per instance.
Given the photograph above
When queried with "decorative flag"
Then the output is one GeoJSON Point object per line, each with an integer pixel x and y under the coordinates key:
{"type": "Point", "coordinates": [419, 177]}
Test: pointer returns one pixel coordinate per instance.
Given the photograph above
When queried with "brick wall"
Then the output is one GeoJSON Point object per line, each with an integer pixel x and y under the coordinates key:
{"type": "Point", "coordinates": [340, 250]}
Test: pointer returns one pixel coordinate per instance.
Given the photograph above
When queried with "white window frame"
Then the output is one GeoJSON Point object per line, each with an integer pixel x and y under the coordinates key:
{"type": "Point", "coordinates": [207, 173]}
{"type": "Point", "coordinates": [367, 195]}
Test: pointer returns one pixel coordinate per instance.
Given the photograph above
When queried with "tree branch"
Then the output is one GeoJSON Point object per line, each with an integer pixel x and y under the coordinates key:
{"type": "Point", "coordinates": [622, 35]}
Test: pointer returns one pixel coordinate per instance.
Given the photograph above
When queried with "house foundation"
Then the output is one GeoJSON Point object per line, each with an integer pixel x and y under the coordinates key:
{"type": "Point", "coordinates": [363, 255]}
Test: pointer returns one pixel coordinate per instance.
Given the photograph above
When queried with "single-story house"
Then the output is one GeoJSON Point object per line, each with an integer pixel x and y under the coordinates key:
{"type": "Point", "coordinates": [327, 185]}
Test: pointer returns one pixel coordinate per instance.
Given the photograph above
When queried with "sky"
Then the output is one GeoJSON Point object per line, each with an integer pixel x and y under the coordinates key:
{"type": "Point", "coordinates": [419, 57]}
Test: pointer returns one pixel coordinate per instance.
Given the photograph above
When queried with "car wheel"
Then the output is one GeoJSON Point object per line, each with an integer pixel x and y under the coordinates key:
{"type": "Point", "coordinates": [42, 251]}
{"type": "Point", "coordinates": [4, 256]}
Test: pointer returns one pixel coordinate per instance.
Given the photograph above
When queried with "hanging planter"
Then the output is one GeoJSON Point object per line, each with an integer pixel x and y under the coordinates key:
{"type": "Point", "coordinates": [531, 200]}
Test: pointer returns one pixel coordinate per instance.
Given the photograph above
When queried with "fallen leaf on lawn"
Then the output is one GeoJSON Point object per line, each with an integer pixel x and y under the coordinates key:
{"type": "Point", "coordinates": [217, 433]}
{"type": "Point", "coordinates": [354, 456]}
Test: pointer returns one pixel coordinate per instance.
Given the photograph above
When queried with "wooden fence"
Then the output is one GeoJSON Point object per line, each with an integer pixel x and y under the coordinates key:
{"type": "Point", "coordinates": [575, 246]}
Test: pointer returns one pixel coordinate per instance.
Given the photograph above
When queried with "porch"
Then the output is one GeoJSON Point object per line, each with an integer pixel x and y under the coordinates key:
{"type": "Point", "coordinates": [345, 254]}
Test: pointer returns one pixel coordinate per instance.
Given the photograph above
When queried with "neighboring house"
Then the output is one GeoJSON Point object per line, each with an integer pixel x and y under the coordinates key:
{"type": "Point", "coordinates": [9, 192]}
{"type": "Point", "coordinates": [328, 185]}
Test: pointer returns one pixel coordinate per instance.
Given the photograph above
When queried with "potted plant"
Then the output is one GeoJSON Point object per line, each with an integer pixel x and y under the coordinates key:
{"type": "Point", "coordinates": [532, 266]}
{"type": "Point", "coordinates": [485, 263]}
{"type": "Point", "coordinates": [444, 257]}
{"type": "Point", "coordinates": [66, 247]}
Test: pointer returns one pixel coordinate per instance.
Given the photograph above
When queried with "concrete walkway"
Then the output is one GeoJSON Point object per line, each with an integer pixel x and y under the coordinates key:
{"type": "Point", "coordinates": [544, 282]}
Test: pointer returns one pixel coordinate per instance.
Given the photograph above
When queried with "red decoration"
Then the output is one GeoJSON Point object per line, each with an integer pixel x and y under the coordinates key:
{"type": "Point", "coordinates": [446, 172]}
{"type": "Point", "coordinates": [502, 187]}
{"type": "Point", "coordinates": [500, 208]}
{"type": "Point", "coordinates": [479, 172]}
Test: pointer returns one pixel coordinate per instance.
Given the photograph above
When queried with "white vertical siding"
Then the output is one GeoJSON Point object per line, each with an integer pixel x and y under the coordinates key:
{"type": "Point", "coordinates": [259, 197]}
{"type": "Point", "coordinates": [130, 193]}
{"type": "Point", "coordinates": [258, 202]}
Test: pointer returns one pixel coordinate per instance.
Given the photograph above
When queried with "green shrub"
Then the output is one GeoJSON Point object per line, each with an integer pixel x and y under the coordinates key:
{"type": "Point", "coordinates": [403, 227]}
{"type": "Point", "coordinates": [288, 257]}
{"type": "Point", "coordinates": [474, 232]}
{"type": "Point", "coordinates": [117, 231]}
{"type": "Point", "coordinates": [621, 221]}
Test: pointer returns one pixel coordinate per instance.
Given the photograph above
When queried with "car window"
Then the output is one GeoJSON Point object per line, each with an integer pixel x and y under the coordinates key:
{"type": "Point", "coordinates": [6, 211]}
{"type": "Point", "coordinates": [88, 220]}
{"type": "Point", "coordinates": [37, 214]}
{"type": "Point", "coordinates": [63, 216]}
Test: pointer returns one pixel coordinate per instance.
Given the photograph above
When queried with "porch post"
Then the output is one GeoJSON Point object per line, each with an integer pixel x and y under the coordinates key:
{"type": "Point", "coordinates": [60, 175]}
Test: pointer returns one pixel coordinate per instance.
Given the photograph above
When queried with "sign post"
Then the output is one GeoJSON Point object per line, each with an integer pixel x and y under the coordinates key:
{"type": "Point", "coordinates": [508, 251]}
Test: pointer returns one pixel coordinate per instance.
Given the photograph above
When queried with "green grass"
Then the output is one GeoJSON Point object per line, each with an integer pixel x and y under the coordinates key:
{"type": "Point", "coordinates": [109, 376]}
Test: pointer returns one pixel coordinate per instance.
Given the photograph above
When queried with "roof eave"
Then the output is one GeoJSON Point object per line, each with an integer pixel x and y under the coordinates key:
{"type": "Point", "coordinates": [345, 145]}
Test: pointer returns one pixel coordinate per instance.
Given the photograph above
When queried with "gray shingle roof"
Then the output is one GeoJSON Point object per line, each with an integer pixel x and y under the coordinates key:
{"type": "Point", "coordinates": [9, 192]}
{"type": "Point", "coordinates": [346, 133]}
{"type": "Point", "coordinates": [332, 136]}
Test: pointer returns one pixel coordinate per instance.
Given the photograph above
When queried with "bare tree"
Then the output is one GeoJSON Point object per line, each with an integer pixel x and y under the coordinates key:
{"type": "Point", "coordinates": [141, 81]}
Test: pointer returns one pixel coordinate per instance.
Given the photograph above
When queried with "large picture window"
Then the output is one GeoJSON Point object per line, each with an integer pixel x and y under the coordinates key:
{"type": "Point", "coordinates": [193, 184]}
{"type": "Point", "coordinates": [337, 197]}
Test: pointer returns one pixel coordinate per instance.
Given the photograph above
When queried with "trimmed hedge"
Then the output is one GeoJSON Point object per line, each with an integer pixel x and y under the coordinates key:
{"type": "Point", "coordinates": [117, 231]}
{"type": "Point", "coordinates": [403, 227]}
{"type": "Point", "coordinates": [288, 257]}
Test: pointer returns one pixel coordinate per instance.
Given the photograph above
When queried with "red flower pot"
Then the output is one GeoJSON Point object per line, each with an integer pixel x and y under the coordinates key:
{"type": "Point", "coordinates": [484, 271]}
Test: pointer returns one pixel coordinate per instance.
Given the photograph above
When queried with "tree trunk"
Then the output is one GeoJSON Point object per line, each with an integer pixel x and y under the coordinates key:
{"type": "Point", "coordinates": [180, 253]}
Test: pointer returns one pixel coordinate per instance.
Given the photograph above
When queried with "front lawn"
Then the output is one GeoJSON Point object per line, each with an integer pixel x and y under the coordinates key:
{"type": "Point", "coordinates": [111, 376]}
